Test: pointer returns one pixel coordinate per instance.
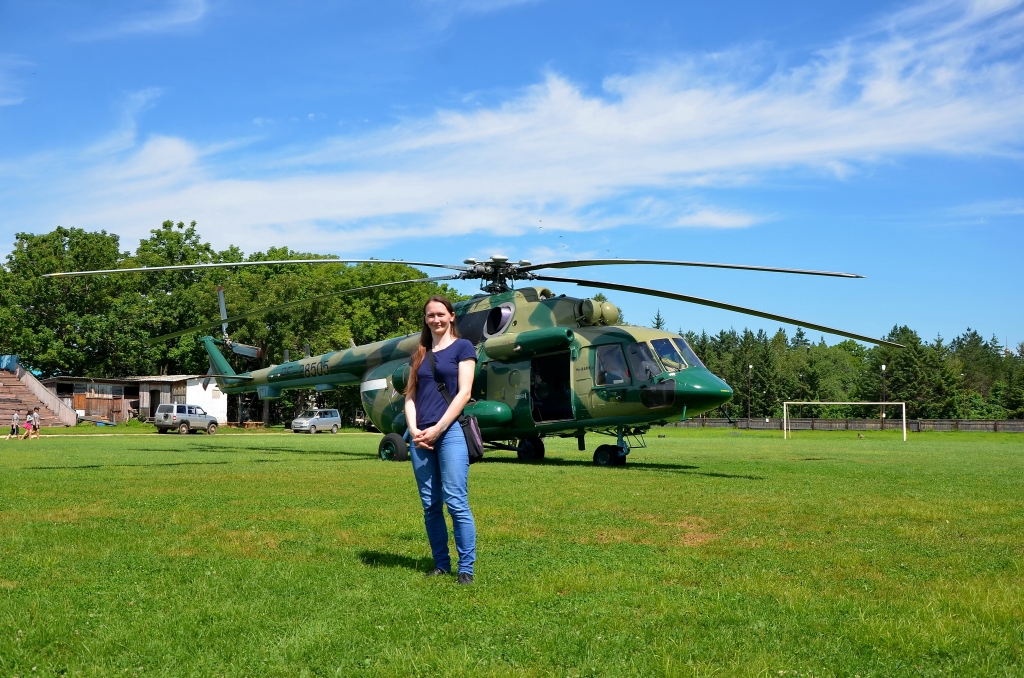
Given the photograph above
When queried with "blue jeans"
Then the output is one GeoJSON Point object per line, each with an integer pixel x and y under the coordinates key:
{"type": "Point", "coordinates": [442, 475]}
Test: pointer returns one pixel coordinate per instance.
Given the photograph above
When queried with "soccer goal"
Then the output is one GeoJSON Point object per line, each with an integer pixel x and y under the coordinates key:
{"type": "Point", "coordinates": [788, 433]}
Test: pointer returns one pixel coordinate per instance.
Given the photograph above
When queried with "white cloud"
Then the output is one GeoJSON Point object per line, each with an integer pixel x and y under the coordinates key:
{"type": "Point", "coordinates": [10, 87]}
{"type": "Point", "coordinates": [717, 219]}
{"type": "Point", "coordinates": [125, 136]}
{"type": "Point", "coordinates": [174, 14]}
{"type": "Point", "coordinates": [1011, 207]}
{"type": "Point", "coordinates": [477, 6]}
{"type": "Point", "coordinates": [941, 78]}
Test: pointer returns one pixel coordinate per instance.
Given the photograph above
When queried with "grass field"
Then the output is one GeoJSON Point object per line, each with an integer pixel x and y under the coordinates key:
{"type": "Point", "coordinates": [712, 553]}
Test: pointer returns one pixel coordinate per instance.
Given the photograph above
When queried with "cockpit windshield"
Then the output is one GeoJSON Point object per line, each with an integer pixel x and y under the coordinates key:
{"type": "Point", "coordinates": [688, 354]}
{"type": "Point", "coordinates": [670, 357]}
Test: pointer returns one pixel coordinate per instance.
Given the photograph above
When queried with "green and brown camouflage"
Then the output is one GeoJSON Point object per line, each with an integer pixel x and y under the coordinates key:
{"type": "Point", "coordinates": [547, 365]}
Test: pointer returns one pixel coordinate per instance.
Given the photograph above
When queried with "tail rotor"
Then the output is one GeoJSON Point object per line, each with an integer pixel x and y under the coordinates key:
{"type": "Point", "coordinates": [240, 349]}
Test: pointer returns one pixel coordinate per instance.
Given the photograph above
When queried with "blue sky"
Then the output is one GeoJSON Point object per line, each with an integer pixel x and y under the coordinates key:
{"type": "Point", "coordinates": [880, 138]}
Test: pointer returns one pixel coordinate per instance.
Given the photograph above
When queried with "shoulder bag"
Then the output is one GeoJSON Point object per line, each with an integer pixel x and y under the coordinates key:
{"type": "Point", "coordinates": [470, 426]}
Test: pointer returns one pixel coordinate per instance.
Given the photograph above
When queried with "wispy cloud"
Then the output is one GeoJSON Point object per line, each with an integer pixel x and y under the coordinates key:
{"type": "Point", "coordinates": [476, 6]}
{"type": "Point", "coordinates": [124, 137]}
{"type": "Point", "coordinates": [10, 86]}
{"type": "Point", "coordinates": [174, 14]}
{"type": "Point", "coordinates": [940, 78]}
{"type": "Point", "coordinates": [1012, 207]}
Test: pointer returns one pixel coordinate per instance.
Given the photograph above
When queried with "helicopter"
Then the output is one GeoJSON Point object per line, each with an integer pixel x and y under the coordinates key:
{"type": "Point", "coordinates": [548, 365]}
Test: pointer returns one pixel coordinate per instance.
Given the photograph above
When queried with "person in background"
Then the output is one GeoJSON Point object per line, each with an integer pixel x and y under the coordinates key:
{"type": "Point", "coordinates": [36, 421]}
{"type": "Point", "coordinates": [15, 423]}
{"type": "Point", "coordinates": [27, 425]}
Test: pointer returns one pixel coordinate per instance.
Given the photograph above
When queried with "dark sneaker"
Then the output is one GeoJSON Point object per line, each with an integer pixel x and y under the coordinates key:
{"type": "Point", "coordinates": [465, 578]}
{"type": "Point", "coordinates": [436, 572]}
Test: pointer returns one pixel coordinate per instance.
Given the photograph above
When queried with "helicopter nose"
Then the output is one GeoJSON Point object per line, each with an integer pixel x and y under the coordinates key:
{"type": "Point", "coordinates": [701, 391]}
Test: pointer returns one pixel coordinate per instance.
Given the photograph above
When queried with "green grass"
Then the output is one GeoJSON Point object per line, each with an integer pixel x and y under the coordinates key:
{"type": "Point", "coordinates": [712, 553]}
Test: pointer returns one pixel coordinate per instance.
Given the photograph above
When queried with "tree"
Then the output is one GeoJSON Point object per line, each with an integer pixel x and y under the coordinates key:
{"type": "Point", "coordinates": [81, 326]}
{"type": "Point", "coordinates": [658, 322]}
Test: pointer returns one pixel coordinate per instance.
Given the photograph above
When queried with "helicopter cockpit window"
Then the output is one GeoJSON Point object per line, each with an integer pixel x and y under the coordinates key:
{"type": "Point", "coordinates": [670, 357]}
{"type": "Point", "coordinates": [498, 319]}
{"type": "Point", "coordinates": [643, 362]}
{"type": "Point", "coordinates": [687, 352]}
{"type": "Point", "coordinates": [610, 366]}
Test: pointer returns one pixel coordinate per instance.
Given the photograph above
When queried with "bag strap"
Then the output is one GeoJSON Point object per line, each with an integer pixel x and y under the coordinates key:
{"type": "Point", "coordinates": [441, 386]}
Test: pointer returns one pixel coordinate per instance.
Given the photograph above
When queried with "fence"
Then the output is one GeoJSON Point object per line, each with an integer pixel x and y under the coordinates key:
{"type": "Point", "coordinates": [914, 425]}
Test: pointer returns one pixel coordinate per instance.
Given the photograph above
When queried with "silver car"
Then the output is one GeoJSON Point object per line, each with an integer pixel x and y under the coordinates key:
{"type": "Point", "coordinates": [184, 419]}
{"type": "Point", "coordinates": [312, 421]}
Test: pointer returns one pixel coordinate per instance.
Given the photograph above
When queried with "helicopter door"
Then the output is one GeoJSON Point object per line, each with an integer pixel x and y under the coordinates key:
{"type": "Point", "coordinates": [551, 387]}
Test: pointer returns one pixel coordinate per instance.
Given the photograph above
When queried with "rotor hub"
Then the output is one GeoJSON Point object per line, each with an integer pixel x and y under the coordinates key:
{"type": "Point", "coordinates": [497, 273]}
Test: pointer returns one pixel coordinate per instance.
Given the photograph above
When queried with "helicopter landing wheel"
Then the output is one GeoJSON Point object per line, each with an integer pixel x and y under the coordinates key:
{"type": "Point", "coordinates": [609, 455]}
{"type": "Point", "coordinates": [393, 448]}
{"type": "Point", "coordinates": [531, 449]}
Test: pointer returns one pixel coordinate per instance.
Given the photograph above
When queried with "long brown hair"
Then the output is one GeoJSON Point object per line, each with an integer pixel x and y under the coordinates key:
{"type": "Point", "coordinates": [427, 341]}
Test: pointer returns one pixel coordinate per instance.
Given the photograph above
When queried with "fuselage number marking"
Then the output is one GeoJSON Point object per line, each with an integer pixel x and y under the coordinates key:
{"type": "Point", "coordinates": [315, 369]}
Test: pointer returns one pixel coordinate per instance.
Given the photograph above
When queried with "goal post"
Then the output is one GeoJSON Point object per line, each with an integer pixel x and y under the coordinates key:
{"type": "Point", "coordinates": [787, 433]}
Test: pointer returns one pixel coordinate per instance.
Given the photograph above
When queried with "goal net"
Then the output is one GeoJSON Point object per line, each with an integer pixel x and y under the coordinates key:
{"type": "Point", "coordinates": [787, 431]}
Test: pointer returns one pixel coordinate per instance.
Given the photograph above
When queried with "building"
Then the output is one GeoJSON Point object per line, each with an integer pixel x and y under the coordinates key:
{"type": "Point", "coordinates": [117, 400]}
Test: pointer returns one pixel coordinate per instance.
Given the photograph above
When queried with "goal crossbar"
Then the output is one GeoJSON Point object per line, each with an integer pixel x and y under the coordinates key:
{"type": "Point", "coordinates": [787, 433]}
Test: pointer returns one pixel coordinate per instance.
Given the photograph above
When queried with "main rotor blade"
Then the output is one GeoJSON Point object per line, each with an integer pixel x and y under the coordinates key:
{"type": "Point", "coordinates": [716, 304]}
{"type": "Point", "coordinates": [662, 262]}
{"type": "Point", "coordinates": [189, 267]}
{"type": "Point", "coordinates": [292, 304]}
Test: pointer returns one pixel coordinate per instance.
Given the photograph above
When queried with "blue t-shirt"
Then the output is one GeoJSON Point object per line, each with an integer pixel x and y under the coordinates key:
{"type": "Point", "coordinates": [430, 404]}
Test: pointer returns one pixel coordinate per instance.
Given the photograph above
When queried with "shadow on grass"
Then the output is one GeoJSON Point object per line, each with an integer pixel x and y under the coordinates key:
{"type": "Point", "coordinates": [683, 469]}
{"type": "Point", "coordinates": [208, 447]}
{"type": "Point", "coordinates": [379, 559]}
{"type": "Point", "coordinates": [176, 463]}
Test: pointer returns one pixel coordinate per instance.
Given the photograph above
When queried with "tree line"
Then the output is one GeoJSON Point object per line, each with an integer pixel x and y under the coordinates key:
{"type": "Point", "coordinates": [101, 327]}
{"type": "Point", "coordinates": [969, 377]}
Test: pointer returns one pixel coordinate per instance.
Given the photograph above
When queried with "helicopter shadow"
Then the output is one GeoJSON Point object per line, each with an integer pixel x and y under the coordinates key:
{"type": "Point", "coordinates": [381, 559]}
{"type": "Point", "coordinates": [682, 469]}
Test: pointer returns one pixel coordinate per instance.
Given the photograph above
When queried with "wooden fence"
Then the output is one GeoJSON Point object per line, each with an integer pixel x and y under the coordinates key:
{"type": "Point", "coordinates": [915, 425]}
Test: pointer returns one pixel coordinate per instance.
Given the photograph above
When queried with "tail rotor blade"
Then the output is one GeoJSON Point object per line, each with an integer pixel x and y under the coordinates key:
{"type": "Point", "coordinates": [209, 372]}
{"type": "Point", "coordinates": [223, 309]}
{"type": "Point", "coordinates": [246, 350]}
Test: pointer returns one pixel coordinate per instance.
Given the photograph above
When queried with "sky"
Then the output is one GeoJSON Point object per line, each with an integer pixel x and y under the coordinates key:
{"type": "Point", "coordinates": [880, 138]}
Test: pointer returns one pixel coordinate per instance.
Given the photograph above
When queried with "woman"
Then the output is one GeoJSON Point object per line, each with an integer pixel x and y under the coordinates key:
{"type": "Point", "coordinates": [440, 458]}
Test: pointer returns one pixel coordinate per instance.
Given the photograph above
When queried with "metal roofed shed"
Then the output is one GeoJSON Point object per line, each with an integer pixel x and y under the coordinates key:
{"type": "Point", "coordinates": [118, 400]}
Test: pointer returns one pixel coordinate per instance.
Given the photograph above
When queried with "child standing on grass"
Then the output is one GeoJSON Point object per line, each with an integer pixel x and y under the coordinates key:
{"type": "Point", "coordinates": [35, 422]}
{"type": "Point", "coordinates": [15, 423]}
{"type": "Point", "coordinates": [27, 425]}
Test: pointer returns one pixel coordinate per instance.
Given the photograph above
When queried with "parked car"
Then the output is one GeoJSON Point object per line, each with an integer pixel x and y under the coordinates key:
{"type": "Point", "coordinates": [184, 419]}
{"type": "Point", "coordinates": [312, 421]}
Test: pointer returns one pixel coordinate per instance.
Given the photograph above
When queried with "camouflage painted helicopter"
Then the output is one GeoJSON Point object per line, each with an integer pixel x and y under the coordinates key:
{"type": "Point", "coordinates": [549, 365]}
